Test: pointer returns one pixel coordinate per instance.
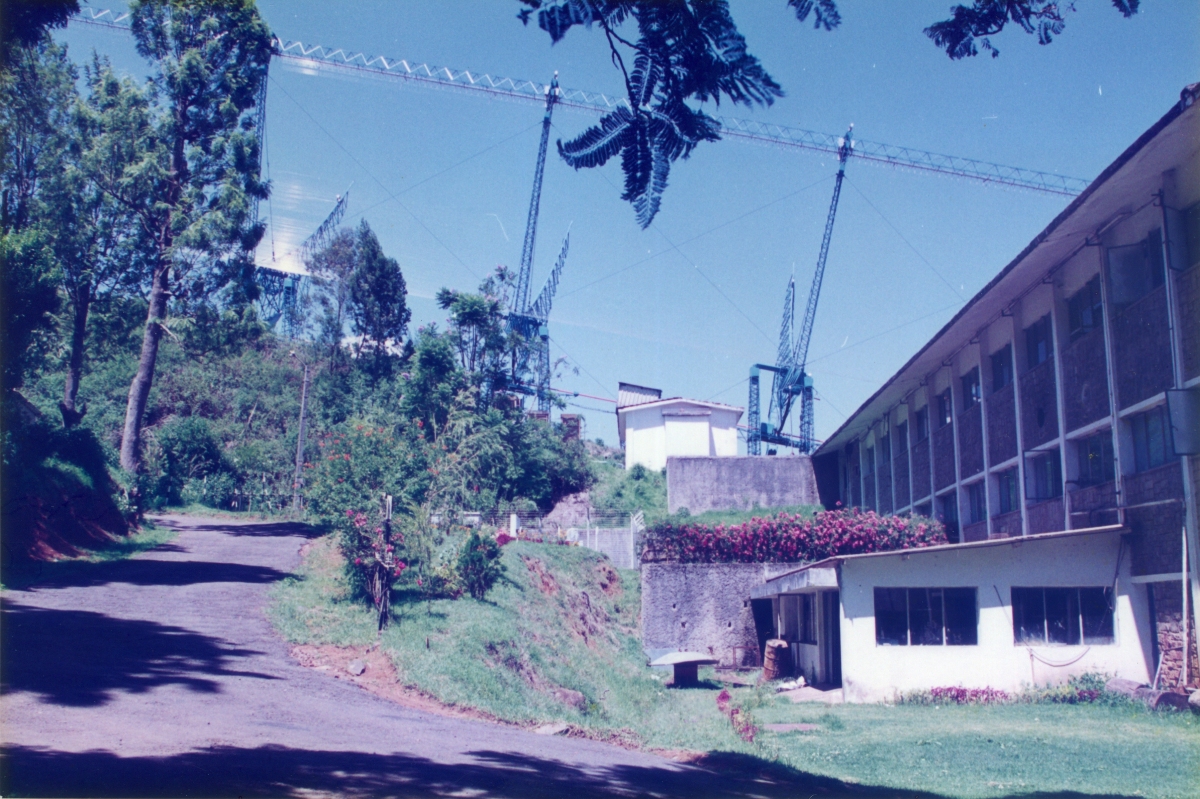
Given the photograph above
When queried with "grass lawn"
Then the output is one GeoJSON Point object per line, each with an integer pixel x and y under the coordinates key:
{"type": "Point", "coordinates": [999, 750]}
{"type": "Point", "coordinates": [565, 621]}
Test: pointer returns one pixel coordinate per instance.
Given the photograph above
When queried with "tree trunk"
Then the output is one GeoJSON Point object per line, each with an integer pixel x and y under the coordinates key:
{"type": "Point", "coordinates": [83, 302]}
{"type": "Point", "coordinates": [139, 390]}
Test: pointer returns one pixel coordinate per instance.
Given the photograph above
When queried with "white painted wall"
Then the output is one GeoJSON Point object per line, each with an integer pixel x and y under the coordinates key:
{"type": "Point", "coordinates": [656, 431]}
{"type": "Point", "coordinates": [871, 672]}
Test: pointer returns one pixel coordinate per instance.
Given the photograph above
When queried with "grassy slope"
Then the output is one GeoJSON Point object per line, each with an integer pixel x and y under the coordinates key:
{"type": "Point", "coordinates": [481, 655]}
{"type": "Point", "coordinates": [507, 655]}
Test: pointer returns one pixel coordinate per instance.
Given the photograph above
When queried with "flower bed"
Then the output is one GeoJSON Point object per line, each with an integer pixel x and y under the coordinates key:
{"type": "Point", "coordinates": [790, 538]}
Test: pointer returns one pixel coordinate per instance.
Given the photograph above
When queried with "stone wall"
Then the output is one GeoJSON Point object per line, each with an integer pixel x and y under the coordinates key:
{"type": "Point", "coordinates": [1168, 612]}
{"type": "Point", "coordinates": [943, 457]}
{"type": "Point", "coordinates": [704, 484]}
{"type": "Point", "coordinates": [1142, 349]}
{"type": "Point", "coordinates": [1039, 414]}
{"type": "Point", "coordinates": [703, 607]}
{"type": "Point", "coordinates": [885, 486]}
{"type": "Point", "coordinates": [920, 465]}
{"type": "Point", "coordinates": [901, 480]}
{"type": "Point", "coordinates": [1046, 516]}
{"type": "Point", "coordinates": [1002, 425]}
{"type": "Point", "coordinates": [1189, 308]}
{"type": "Point", "coordinates": [1006, 525]}
{"type": "Point", "coordinates": [1085, 380]}
{"type": "Point", "coordinates": [1094, 506]}
{"type": "Point", "coordinates": [1155, 518]}
{"type": "Point", "coordinates": [970, 441]}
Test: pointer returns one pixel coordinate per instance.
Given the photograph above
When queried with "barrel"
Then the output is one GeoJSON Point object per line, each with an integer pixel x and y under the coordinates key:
{"type": "Point", "coordinates": [774, 659]}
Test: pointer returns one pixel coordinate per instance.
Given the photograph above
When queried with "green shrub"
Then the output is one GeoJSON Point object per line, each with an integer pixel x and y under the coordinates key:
{"type": "Point", "coordinates": [479, 565]}
{"type": "Point", "coordinates": [187, 451]}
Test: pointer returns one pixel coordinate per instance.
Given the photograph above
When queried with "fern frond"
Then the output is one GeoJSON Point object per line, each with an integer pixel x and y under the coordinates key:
{"type": "Point", "coordinates": [598, 143]}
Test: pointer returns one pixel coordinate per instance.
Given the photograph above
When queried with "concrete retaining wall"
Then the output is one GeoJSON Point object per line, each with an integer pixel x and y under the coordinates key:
{"type": "Point", "coordinates": [744, 483]}
{"type": "Point", "coordinates": [703, 607]}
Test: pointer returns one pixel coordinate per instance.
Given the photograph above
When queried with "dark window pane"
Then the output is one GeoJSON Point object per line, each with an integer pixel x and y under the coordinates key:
{"type": "Point", "coordinates": [962, 627]}
{"type": "Point", "coordinates": [1029, 616]}
{"type": "Point", "coordinates": [1002, 368]}
{"type": "Point", "coordinates": [1096, 607]}
{"type": "Point", "coordinates": [891, 616]}
{"type": "Point", "coordinates": [901, 438]}
{"type": "Point", "coordinates": [1062, 615]}
{"type": "Point", "coordinates": [925, 616]}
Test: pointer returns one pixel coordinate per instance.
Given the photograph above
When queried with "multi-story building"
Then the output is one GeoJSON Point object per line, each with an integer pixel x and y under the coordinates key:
{"type": "Point", "coordinates": [1063, 396]}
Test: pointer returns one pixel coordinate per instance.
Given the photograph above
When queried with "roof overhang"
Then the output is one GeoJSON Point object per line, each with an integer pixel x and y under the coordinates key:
{"type": "Point", "coordinates": [823, 573]}
{"type": "Point", "coordinates": [1127, 183]}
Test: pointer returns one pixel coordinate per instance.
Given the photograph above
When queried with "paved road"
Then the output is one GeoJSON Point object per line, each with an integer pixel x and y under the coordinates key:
{"type": "Point", "coordinates": [161, 676]}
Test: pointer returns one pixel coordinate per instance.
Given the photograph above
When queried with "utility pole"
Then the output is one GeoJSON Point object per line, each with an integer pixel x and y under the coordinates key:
{"type": "Point", "coordinates": [299, 478]}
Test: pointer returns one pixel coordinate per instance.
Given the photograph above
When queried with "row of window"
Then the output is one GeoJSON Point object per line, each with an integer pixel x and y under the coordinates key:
{"type": "Point", "coordinates": [950, 616]}
{"type": "Point", "coordinates": [1134, 271]}
{"type": "Point", "coordinates": [1151, 448]}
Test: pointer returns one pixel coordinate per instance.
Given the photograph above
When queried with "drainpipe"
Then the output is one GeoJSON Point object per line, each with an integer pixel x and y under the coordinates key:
{"type": "Point", "coordinates": [1110, 357]}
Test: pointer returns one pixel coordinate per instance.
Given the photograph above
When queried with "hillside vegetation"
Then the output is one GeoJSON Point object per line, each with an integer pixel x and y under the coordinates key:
{"type": "Point", "coordinates": [556, 640]}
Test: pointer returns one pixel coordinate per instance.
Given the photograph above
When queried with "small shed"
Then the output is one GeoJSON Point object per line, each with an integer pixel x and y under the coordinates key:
{"type": "Point", "coordinates": [1001, 613]}
{"type": "Point", "coordinates": [651, 429]}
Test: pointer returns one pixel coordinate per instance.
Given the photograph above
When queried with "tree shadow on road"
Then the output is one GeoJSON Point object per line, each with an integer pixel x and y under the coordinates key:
{"type": "Point", "coordinates": [240, 527]}
{"type": "Point", "coordinates": [282, 771]}
{"type": "Point", "coordinates": [81, 658]}
{"type": "Point", "coordinates": [152, 572]}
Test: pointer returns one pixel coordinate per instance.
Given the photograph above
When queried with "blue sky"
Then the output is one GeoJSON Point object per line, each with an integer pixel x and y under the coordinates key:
{"type": "Point", "coordinates": [444, 178]}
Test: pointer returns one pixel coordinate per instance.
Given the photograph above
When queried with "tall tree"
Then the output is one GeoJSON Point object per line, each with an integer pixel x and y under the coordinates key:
{"type": "Point", "coordinates": [378, 308]}
{"type": "Point", "coordinates": [332, 269]}
{"type": "Point", "coordinates": [192, 186]}
{"type": "Point", "coordinates": [691, 50]}
{"type": "Point", "coordinates": [95, 236]}
{"type": "Point", "coordinates": [25, 22]}
{"type": "Point", "coordinates": [37, 92]}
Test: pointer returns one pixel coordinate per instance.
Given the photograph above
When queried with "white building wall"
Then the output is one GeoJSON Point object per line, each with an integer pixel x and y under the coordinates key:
{"type": "Point", "coordinates": [724, 433]}
{"type": "Point", "coordinates": [645, 438]}
{"type": "Point", "coordinates": [872, 672]}
{"type": "Point", "coordinates": [683, 428]}
{"type": "Point", "coordinates": [686, 435]}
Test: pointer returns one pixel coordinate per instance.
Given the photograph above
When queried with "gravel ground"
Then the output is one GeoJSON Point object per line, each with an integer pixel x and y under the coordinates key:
{"type": "Point", "coordinates": [161, 675]}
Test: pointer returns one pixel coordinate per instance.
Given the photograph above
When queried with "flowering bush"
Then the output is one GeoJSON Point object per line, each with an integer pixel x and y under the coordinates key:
{"type": "Point", "coordinates": [738, 717]}
{"type": "Point", "coordinates": [790, 538]}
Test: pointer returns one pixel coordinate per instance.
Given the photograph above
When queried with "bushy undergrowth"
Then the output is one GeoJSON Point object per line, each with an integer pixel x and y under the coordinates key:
{"type": "Point", "coordinates": [789, 537]}
{"type": "Point", "coordinates": [1080, 689]}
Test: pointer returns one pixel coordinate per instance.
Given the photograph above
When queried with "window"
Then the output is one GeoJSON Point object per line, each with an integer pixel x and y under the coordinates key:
{"type": "Point", "coordinates": [885, 448]}
{"type": "Point", "coordinates": [1002, 368]}
{"type": "Point", "coordinates": [1045, 476]}
{"type": "Point", "coordinates": [1010, 496]}
{"type": "Point", "coordinates": [902, 438]}
{"type": "Point", "coordinates": [944, 408]}
{"type": "Point", "coordinates": [970, 389]}
{"type": "Point", "coordinates": [1037, 341]}
{"type": "Point", "coordinates": [1085, 310]}
{"type": "Point", "coordinates": [808, 618]}
{"type": "Point", "coordinates": [977, 502]}
{"type": "Point", "coordinates": [1062, 615]}
{"type": "Point", "coordinates": [1136, 270]}
{"type": "Point", "coordinates": [1095, 459]}
{"type": "Point", "coordinates": [948, 507]}
{"type": "Point", "coordinates": [923, 424]}
{"type": "Point", "coordinates": [1150, 447]}
{"type": "Point", "coordinates": [869, 460]}
{"type": "Point", "coordinates": [926, 617]}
